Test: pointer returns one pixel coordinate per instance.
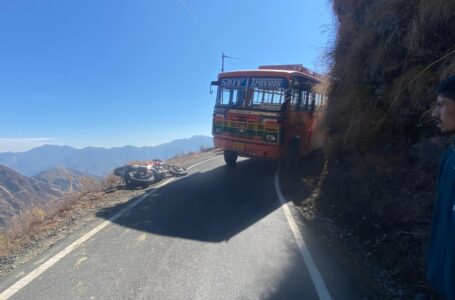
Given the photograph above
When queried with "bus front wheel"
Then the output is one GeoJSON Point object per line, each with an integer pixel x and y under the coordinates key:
{"type": "Point", "coordinates": [230, 157]}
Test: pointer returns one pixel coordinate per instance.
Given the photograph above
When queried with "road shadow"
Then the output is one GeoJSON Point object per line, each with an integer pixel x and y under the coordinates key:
{"type": "Point", "coordinates": [216, 205]}
{"type": "Point", "coordinates": [292, 283]}
{"type": "Point", "coordinates": [300, 183]}
{"type": "Point", "coordinates": [212, 206]}
{"type": "Point", "coordinates": [295, 281]}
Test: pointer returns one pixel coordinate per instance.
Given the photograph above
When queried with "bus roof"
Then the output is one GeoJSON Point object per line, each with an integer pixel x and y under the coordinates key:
{"type": "Point", "coordinates": [267, 72]}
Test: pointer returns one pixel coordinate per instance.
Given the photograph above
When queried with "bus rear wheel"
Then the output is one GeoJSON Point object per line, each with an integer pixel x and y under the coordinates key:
{"type": "Point", "coordinates": [230, 157]}
{"type": "Point", "coordinates": [291, 159]}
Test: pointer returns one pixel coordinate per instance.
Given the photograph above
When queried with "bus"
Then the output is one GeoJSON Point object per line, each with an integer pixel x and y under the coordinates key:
{"type": "Point", "coordinates": [266, 113]}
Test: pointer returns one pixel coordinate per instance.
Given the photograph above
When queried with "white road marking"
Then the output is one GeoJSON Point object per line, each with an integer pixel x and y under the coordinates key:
{"type": "Point", "coordinates": [316, 277]}
{"type": "Point", "coordinates": [80, 261]}
{"type": "Point", "coordinates": [53, 260]}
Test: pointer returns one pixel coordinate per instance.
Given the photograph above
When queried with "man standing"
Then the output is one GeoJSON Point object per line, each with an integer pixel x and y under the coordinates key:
{"type": "Point", "coordinates": [441, 248]}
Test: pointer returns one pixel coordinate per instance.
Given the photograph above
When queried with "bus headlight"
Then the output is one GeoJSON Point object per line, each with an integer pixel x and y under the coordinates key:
{"type": "Point", "coordinates": [270, 138]}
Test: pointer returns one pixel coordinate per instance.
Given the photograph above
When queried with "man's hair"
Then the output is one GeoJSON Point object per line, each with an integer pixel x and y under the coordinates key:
{"type": "Point", "coordinates": [446, 87]}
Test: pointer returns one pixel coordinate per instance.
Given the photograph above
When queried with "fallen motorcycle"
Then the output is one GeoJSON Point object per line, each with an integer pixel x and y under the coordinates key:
{"type": "Point", "coordinates": [145, 175]}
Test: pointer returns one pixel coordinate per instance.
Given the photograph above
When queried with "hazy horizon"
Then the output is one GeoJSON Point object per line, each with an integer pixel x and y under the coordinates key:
{"type": "Point", "coordinates": [2, 145]}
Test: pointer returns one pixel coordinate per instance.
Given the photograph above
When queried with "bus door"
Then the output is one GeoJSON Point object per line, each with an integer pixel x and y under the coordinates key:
{"type": "Point", "coordinates": [300, 117]}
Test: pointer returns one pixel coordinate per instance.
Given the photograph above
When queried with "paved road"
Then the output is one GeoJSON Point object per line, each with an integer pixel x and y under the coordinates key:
{"type": "Point", "coordinates": [218, 233]}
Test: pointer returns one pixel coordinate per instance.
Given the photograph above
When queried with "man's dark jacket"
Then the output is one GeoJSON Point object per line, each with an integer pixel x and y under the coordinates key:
{"type": "Point", "coordinates": [441, 247]}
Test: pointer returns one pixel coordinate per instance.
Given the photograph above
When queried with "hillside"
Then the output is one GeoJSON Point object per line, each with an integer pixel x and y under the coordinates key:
{"type": "Point", "coordinates": [93, 160]}
{"type": "Point", "coordinates": [24, 200]}
{"type": "Point", "coordinates": [383, 150]}
{"type": "Point", "coordinates": [66, 180]}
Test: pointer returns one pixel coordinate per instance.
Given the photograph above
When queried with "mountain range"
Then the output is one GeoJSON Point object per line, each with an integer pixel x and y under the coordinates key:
{"type": "Point", "coordinates": [94, 160]}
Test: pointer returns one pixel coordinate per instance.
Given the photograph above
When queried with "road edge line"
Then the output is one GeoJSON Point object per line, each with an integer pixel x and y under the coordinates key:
{"type": "Point", "coordinates": [7, 293]}
{"type": "Point", "coordinates": [316, 278]}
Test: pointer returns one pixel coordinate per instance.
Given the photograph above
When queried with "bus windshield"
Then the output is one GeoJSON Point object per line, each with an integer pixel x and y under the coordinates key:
{"type": "Point", "coordinates": [252, 93]}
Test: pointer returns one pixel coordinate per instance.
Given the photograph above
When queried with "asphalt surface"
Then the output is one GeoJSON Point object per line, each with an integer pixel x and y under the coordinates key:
{"type": "Point", "coordinates": [218, 233]}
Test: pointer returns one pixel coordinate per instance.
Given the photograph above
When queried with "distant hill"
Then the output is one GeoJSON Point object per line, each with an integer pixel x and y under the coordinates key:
{"type": "Point", "coordinates": [93, 160]}
{"type": "Point", "coordinates": [65, 180]}
{"type": "Point", "coordinates": [23, 199]}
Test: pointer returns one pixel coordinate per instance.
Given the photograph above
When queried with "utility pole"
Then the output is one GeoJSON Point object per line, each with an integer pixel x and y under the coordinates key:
{"type": "Point", "coordinates": [223, 56]}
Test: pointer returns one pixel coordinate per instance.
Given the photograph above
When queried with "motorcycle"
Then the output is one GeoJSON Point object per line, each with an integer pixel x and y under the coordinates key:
{"type": "Point", "coordinates": [150, 173]}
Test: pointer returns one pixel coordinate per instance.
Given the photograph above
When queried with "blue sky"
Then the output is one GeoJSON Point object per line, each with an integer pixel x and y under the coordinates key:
{"type": "Point", "coordinates": [111, 73]}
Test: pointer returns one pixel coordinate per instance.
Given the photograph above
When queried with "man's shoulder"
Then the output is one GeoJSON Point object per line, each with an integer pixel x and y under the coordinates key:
{"type": "Point", "coordinates": [447, 163]}
{"type": "Point", "coordinates": [448, 156]}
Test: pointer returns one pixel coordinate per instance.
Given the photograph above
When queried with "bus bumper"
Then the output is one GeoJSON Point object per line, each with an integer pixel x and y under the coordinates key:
{"type": "Point", "coordinates": [249, 149]}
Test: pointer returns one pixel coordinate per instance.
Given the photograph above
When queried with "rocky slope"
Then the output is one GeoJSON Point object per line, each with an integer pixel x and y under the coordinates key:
{"type": "Point", "coordinates": [66, 180]}
{"type": "Point", "coordinates": [24, 199]}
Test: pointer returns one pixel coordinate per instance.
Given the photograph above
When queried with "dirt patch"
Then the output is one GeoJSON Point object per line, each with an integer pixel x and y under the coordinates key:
{"type": "Point", "coordinates": [82, 210]}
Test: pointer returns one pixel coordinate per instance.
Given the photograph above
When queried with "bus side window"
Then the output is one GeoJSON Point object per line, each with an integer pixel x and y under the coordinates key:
{"type": "Point", "coordinates": [319, 100]}
{"type": "Point", "coordinates": [305, 102]}
{"type": "Point", "coordinates": [312, 101]}
{"type": "Point", "coordinates": [278, 96]}
{"type": "Point", "coordinates": [295, 100]}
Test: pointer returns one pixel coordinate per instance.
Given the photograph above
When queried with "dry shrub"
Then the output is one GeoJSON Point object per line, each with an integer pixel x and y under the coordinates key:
{"type": "Point", "coordinates": [32, 220]}
{"type": "Point", "coordinates": [111, 181]}
{"type": "Point", "coordinates": [319, 133]}
{"type": "Point", "coordinates": [387, 58]}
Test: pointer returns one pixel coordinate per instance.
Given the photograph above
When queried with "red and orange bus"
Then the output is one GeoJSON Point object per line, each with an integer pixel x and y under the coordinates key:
{"type": "Point", "coordinates": [265, 113]}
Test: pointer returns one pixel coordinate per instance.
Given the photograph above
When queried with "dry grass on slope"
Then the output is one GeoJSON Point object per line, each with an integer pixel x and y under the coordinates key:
{"type": "Point", "coordinates": [387, 59]}
{"type": "Point", "coordinates": [381, 150]}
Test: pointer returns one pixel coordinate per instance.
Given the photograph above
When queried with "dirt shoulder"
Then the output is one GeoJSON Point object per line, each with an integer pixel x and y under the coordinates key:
{"type": "Point", "coordinates": [81, 211]}
{"type": "Point", "coordinates": [375, 278]}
